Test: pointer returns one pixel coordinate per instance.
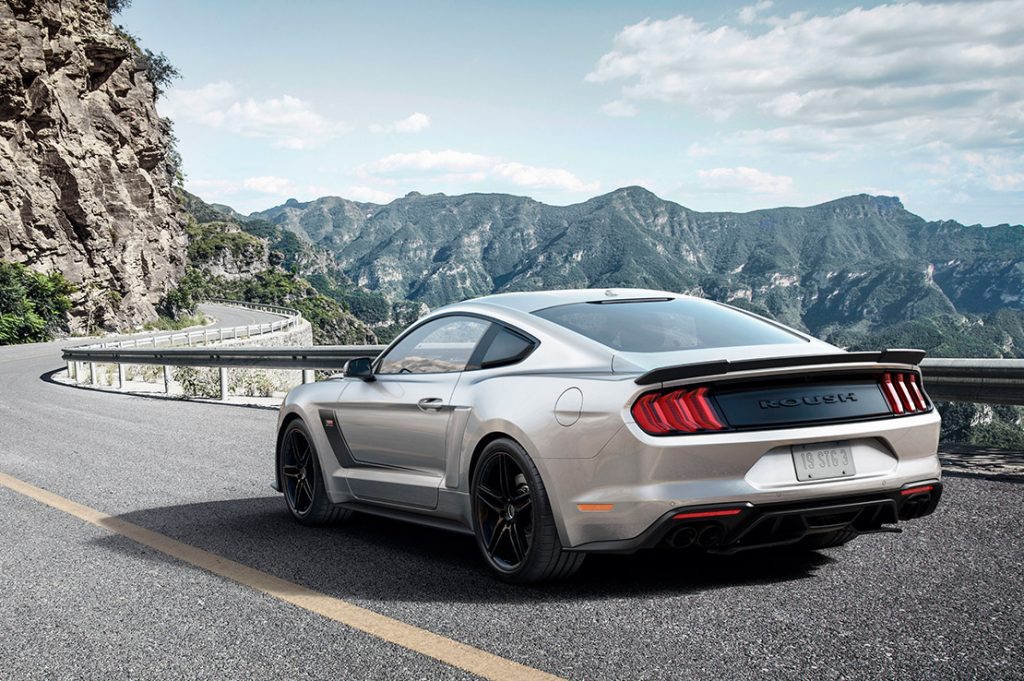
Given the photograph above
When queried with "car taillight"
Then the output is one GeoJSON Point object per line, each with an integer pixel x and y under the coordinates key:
{"type": "Point", "coordinates": [903, 392]}
{"type": "Point", "coordinates": [678, 411]}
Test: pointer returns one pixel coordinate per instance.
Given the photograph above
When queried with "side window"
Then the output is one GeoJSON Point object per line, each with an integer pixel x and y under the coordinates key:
{"type": "Point", "coordinates": [507, 347]}
{"type": "Point", "coordinates": [439, 346]}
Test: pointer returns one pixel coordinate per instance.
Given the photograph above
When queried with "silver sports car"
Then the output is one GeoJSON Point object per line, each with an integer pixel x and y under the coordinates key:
{"type": "Point", "coordinates": [554, 424]}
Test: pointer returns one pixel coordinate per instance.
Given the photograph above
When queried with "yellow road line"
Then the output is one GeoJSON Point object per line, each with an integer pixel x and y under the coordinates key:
{"type": "Point", "coordinates": [433, 645]}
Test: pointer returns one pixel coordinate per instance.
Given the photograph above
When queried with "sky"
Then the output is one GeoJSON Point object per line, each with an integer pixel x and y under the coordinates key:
{"type": "Point", "coordinates": [714, 105]}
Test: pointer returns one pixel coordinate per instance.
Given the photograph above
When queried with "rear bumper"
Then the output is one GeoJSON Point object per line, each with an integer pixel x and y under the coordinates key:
{"type": "Point", "coordinates": [757, 526]}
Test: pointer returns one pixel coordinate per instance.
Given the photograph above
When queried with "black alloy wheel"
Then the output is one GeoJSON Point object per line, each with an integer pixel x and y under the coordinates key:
{"type": "Point", "coordinates": [302, 481]}
{"type": "Point", "coordinates": [512, 518]}
{"type": "Point", "coordinates": [504, 511]}
{"type": "Point", "coordinates": [298, 472]}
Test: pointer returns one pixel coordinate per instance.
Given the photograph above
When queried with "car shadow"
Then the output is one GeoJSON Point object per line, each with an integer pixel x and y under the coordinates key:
{"type": "Point", "coordinates": [49, 377]}
{"type": "Point", "coordinates": [371, 558]}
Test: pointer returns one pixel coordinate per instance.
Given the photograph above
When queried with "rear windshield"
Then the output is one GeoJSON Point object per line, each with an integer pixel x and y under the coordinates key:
{"type": "Point", "coordinates": [666, 325]}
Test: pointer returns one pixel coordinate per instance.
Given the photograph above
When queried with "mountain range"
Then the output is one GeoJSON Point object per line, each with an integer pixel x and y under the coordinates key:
{"type": "Point", "coordinates": [857, 265]}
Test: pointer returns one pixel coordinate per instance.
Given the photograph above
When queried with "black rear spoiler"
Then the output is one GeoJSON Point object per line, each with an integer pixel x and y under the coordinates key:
{"type": "Point", "coordinates": [724, 366]}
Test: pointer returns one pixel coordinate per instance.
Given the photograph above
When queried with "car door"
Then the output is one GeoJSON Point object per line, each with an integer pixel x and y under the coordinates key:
{"type": "Point", "coordinates": [399, 420]}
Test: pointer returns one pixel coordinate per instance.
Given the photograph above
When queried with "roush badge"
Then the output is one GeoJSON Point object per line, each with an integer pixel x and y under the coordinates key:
{"type": "Point", "coordinates": [811, 400]}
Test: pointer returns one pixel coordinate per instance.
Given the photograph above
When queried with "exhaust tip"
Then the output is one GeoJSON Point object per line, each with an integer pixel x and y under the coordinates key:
{"type": "Point", "coordinates": [711, 535]}
{"type": "Point", "coordinates": [682, 538]}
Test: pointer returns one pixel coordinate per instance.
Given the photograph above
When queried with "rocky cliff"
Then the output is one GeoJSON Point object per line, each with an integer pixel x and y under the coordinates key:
{"type": "Point", "coordinates": [85, 172]}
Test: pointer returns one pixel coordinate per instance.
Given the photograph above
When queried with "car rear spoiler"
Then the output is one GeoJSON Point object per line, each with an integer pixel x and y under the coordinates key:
{"type": "Point", "coordinates": [724, 366]}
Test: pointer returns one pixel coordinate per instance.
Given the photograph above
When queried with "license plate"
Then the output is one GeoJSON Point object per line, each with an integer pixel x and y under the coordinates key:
{"type": "Point", "coordinates": [823, 460]}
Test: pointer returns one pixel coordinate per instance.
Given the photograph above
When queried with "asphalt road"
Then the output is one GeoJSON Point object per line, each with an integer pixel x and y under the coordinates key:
{"type": "Point", "coordinates": [941, 600]}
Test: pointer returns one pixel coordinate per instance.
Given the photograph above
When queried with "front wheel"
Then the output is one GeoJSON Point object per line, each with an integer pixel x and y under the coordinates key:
{"type": "Point", "coordinates": [302, 481]}
{"type": "Point", "coordinates": [512, 518]}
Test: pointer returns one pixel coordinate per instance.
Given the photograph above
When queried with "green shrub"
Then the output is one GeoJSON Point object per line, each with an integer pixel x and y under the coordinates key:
{"type": "Point", "coordinates": [32, 305]}
{"type": "Point", "coordinates": [198, 381]}
{"type": "Point", "coordinates": [252, 383]}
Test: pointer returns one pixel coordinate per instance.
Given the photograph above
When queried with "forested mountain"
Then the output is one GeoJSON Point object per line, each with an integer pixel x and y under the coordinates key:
{"type": "Point", "coordinates": [849, 268]}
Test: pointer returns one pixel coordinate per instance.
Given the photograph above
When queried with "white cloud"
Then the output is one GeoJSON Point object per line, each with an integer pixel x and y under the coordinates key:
{"type": "Point", "coordinates": [253, 193]}
{"type": "Point", "coordinates": [447, 160]}
{"type": "Point", "coordinates": [907, 71]}
{"type": "Point", "coordinates": [268, 184]}
{"type": "Point", "coordinates": [417, 122]}
{"type": "Point", "coordinates": [999, 172]}
{"type": "Point", "coordinates": [748, 14]}
{"type": "Point", "coordinates": [742, 179]}
{"type": "Point", "coordinates": [464, 166]}
{"type": "Point", "coordinates": [289, 122]}
{"type": "Point", "coordinates": [698, 150]}
{"type": "Point", "coordinates": [549, 178]}
{"type": "Point", "coordinates": [369, 195]}
{"type": "Point", "coordinates": [618, 109]}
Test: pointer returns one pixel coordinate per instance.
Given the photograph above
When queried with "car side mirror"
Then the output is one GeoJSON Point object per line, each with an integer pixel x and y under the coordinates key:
{"type": "Point", "coordinates": [361, 368]}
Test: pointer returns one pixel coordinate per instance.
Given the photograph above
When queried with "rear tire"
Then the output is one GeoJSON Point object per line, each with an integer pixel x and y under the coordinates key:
{"type": "Point", "coordinates": [512, 518]}
{"type": "Point", "coordinates": [302, 481]}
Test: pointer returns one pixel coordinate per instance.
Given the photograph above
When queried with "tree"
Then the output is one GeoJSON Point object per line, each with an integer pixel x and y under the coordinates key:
{"type": "Point", "coordinates": [32, 305]}
{"type": "Point", "coordinates": [159, 69]}
{"type": "Point", "coordinates": [118, 6]}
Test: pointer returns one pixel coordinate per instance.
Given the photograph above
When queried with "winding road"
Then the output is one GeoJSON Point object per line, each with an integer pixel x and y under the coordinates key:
{"type": "Point", "coordinates": [941, 600]}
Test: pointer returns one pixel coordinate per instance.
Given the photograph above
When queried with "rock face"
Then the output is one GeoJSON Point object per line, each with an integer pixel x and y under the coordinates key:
{"type": "Point", "coordinates": [85, 173]}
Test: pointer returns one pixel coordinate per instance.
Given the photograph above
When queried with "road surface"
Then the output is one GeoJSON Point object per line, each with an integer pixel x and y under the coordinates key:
{"type": "Point", "coordinates": [941, 600]}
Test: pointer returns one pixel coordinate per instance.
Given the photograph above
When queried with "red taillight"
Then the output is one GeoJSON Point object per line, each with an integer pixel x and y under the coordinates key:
{"type": "Point", "coordinates": [903, 392]}
{"type": "Point", "coordinates": [707, 514]}
{"type": "Point", "coordinates": [678, 411]}
{"type": "Point", "coordinates": [917, 490]}
{"type": "Point", "coordinates": [915, 390]}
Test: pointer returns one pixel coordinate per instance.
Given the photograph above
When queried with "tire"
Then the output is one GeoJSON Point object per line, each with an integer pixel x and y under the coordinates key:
{"type": "Point", "coordinates": [302, 481]}
{"type": "Point", "coordinates": [512, 518]}
{"type": "Point", "coordinates": [826, 540]}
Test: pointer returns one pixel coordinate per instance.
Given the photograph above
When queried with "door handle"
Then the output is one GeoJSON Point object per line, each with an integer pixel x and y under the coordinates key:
{"type": "Point", "coordinates": [430, 403]}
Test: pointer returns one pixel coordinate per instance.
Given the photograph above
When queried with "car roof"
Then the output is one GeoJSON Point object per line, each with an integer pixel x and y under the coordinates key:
{"type": "Point", "coordinates": [531, 301]}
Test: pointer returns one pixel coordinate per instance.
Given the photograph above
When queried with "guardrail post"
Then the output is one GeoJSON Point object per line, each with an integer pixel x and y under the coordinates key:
{"type": "Point", "coordinates": [223, 383]}
{"type": "Point", "coordinates": [308, 376]}
{"type": "Point", "coordinates": [206, 337]}
{"type": "Point", "coordinates": [73, 371]}
{"type": "Point", "coordinates": [188, 339]}
{"type": "Point", "coordinates": [167, 379]}
{"type": "Point", "coordinates": [120, 376]}
{"type": "Point", "coordinates": [92, 373]}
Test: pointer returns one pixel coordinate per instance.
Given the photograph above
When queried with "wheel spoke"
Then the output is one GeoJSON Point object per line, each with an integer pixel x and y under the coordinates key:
{"type": "Point", "coordinates": [499, 529]}
{"type": "Point", "coordinates": [291, 471]}
{"type": "Point", "coordinates": [518, 548]}
{"type": "Point", "coordinates": [489, 497]}
{"type": "Point", "coordinates": [504, 477]}
{"type": "Point", "coordinates": [522, 502]}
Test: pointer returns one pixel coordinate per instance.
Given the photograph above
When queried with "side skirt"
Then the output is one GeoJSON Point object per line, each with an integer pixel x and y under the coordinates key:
{"type": "Point", "coordinates": [408, 516]}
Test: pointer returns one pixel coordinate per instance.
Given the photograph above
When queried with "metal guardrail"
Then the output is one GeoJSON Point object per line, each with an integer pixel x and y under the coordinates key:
{"type": "Point", "coordinates": [83, 358]}
{"type": "Point", "coordinates": [325, 357]}
{"type": "Point", "coordinates": [292, 318]}
{"type": "Point", "coordinates": [992, 381]}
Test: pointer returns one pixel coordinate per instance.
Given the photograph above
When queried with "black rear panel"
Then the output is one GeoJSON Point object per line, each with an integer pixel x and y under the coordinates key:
{"type": "Point", "coordinates": [801, 403]}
